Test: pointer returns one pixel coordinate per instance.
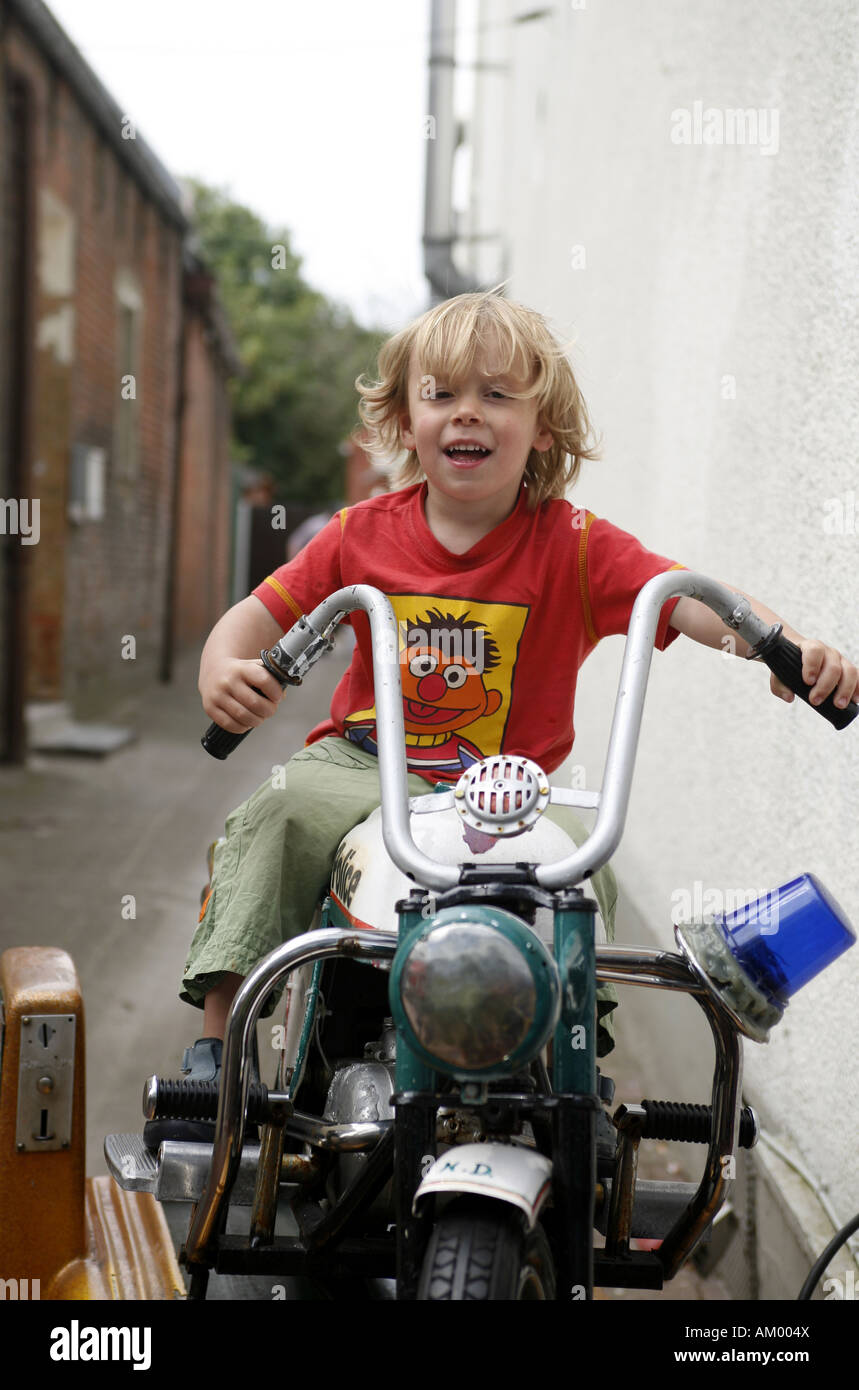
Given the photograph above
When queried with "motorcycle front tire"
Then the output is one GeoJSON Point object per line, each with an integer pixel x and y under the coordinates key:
{"type": "Point", "coordinates": [482, 1251]}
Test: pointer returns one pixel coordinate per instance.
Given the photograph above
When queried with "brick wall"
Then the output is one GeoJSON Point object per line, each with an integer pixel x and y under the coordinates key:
{"type": "Point", "coordinates": [107, 294]}
{"type": "Point", "coordinates": [203, 558]}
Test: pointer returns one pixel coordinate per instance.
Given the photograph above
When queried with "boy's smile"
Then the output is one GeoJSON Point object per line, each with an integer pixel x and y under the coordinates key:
{"type": "Point", "coordinates": [472, 441]}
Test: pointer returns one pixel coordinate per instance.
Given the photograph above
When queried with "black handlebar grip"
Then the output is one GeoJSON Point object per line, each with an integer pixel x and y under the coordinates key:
{"type": "Point", "coordinates": [784, 659]}
{"type": "Point", "coordinates": [219, 742]}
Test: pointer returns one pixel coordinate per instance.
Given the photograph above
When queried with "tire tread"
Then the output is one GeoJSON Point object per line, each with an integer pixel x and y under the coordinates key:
{"type": "Point", "coordinates": [476, 1250]}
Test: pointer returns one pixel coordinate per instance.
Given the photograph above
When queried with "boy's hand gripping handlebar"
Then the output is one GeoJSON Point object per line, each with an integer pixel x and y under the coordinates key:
{"type": "Point", "coordinates": [288, 661]}
{"type": "Point", "coordinates": [784, 659]}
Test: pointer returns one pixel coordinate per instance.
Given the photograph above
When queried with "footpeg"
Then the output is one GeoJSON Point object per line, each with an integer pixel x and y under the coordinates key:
{"type": "Point", "coordinates": [692, 1124]}
{"type": "Point", "coordinates": [198, 1100]}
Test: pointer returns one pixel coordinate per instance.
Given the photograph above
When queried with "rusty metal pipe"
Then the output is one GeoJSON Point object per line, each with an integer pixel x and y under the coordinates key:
{"type": "Point", "coordinates": [264, 1209]}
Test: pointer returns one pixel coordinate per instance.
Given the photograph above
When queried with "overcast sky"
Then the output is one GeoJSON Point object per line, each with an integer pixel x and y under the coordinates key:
{"type": "Point", "coordinates": [309, 113]}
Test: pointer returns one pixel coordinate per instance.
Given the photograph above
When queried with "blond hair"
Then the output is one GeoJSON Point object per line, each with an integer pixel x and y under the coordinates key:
{"type": "Point", "coordinates": [445, 342]}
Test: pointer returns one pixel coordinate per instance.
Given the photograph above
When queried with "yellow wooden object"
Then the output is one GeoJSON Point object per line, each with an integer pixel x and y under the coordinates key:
{"type": "Point", "coordinates": [129, 1250]}
{"type": "Point", "coordinates": [76, 1238]}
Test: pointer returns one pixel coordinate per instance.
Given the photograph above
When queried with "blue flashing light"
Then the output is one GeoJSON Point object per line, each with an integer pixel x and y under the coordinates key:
{"type": "Point", "coordinates": [785, 938]}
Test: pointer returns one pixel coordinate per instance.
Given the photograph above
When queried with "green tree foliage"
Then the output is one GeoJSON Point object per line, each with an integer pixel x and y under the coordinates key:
{"type": "Point", "coordinates": [296, 401]}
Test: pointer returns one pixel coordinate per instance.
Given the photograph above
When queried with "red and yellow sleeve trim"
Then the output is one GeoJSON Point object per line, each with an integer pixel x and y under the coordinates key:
{"type": "Point", "coordinates": [583, 581]}
{"type": "Point", "coordinates": [283, 595]}
{"type": "Point", "coordinates": [587, 610]}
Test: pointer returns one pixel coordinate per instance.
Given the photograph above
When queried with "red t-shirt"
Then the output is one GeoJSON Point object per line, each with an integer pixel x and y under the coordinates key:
{"type": "Point", "coordinates": [491, 641]}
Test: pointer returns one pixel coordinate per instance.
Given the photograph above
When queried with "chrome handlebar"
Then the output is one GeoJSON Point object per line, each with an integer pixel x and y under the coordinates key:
{"type": "Point", "coordinates": [301, 646]}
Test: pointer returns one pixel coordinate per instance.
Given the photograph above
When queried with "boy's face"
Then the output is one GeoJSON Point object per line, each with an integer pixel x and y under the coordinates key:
{"type": "Point", "coordinates": [475, 411]}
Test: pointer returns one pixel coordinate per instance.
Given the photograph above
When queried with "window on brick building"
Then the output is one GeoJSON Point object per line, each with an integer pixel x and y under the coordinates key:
{"type": "Point", "coordinates": [129, 337]}
{"type": "Point", "coordinates": [86, 483]}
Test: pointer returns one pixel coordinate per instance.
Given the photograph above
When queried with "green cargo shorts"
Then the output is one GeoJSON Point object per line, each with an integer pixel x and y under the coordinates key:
{"type": "Point", "coordinates": [273, 867]}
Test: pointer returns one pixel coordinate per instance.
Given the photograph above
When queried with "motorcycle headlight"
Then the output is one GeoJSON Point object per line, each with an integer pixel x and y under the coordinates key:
{"type": "Point", "coordinates": [754, 959]}
{"type": "Point", "coordinates": [475, 992]}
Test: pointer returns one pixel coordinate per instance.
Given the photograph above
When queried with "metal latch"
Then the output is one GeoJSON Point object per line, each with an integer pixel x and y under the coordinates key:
{"type": "Point", "coordinates": [46, 1076]}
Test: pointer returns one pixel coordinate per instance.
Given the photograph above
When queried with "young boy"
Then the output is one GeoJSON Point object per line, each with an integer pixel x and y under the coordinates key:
{"type": "Point", "coordinates": [478, 552]}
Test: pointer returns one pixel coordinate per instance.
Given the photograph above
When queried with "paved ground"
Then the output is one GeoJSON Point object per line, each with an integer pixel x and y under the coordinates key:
{"type": "Point", "coordinates": [79, 837]}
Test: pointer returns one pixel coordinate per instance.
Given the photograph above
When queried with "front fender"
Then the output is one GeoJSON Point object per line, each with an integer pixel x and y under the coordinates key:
{"type": "Point", "coordinates": [507, 1172]}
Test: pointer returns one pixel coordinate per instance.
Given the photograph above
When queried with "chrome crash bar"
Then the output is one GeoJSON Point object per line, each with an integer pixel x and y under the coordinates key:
{"type": "Point", "coordinates": [654, 969]}
{"type": "Point", "coordinates": [235, 1077]}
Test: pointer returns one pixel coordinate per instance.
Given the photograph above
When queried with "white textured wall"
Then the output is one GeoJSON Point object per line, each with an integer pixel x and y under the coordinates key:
{"type": "Point", "coordinates": [703, 262]}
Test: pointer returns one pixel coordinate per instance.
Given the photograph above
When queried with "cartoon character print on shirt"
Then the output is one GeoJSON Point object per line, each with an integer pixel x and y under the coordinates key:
{"type": "Point", "coordinates": [457, 661]}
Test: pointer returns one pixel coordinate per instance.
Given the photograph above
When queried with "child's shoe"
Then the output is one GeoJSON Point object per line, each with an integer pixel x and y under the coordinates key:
{"type": "Point", "coordinates": [203, 1061]}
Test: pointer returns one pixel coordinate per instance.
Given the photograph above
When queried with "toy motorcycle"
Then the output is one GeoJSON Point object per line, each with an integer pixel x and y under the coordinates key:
{"type": "Point", "coordinates": [441, 1119]}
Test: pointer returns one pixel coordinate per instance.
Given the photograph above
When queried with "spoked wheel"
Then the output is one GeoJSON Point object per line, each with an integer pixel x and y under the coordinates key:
{"type": "Point", "coordinates": [483, 1251]}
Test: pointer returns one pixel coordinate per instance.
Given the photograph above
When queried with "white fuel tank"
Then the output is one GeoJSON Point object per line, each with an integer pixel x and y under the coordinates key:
{"type": "Point", "coordinates": [365, 883]}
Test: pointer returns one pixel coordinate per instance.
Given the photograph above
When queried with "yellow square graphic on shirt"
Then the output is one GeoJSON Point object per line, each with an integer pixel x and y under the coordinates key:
{"type": "Point", "coordinates": [457, 663]}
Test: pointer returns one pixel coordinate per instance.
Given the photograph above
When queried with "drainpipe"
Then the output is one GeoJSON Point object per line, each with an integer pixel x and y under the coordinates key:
{"type": "Point", "coordinates": [444, 277]}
